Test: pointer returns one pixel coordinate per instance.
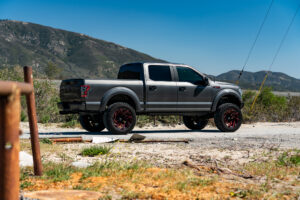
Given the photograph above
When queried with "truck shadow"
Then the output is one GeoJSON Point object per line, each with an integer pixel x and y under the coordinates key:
{"type": "Point", "coordinates": [106, 133]}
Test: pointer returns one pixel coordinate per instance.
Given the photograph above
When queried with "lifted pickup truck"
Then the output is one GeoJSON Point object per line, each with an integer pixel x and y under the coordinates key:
{"type": "Point", "coordinates": [152, 89]}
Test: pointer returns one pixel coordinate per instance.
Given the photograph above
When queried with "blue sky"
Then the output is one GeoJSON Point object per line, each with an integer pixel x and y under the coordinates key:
{"type": "Point", "coordinates": [212, 35]}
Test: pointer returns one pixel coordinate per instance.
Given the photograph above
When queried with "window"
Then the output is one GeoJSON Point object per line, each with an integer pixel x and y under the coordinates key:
{"type": "Point", "coordinates": [160, 73]}
{"type": "Point", "coordinates": [186, 74]}
{"type": "Point", "coordinates": [133, 71]}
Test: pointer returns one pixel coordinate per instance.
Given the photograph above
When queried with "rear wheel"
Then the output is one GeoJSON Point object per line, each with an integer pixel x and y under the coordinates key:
{"type": "Point", "coordinates": [91, 123]}
{"type": "Point", "coordinates": [228, 117]}
{"type": "Point", "coordinates": [120, 118]}
{"type": "Point", "coordinates": [195, 122]}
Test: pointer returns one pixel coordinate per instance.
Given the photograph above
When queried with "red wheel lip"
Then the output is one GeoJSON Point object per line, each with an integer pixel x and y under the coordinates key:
{"type": "Point", "coordinates": [231, 118]}
{"type": "Point", "coordinates": [122, 118]}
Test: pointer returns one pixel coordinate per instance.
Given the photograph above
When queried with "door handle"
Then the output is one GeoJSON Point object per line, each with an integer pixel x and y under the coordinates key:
{"type": "Point", "coordinates": [152, 88]}
{"type": "Point", "coordinates": [181, 89]}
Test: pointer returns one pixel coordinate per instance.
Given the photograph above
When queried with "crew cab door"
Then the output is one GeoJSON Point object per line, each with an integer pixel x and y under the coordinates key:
{"type": "Point", "coordinates": [160, 88]}
{"type": "Point", "coordinates": [193, 93]}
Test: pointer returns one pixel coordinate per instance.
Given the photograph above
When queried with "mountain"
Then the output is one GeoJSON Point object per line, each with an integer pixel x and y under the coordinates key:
{"type": "Point", "coordinates": [76, 55]}
{"type": "Point", "coordinates": [252, 80]}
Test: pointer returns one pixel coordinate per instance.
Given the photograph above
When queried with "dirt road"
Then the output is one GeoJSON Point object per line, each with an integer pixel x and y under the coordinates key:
{"type": "Point", "coordinates": [283, 135]}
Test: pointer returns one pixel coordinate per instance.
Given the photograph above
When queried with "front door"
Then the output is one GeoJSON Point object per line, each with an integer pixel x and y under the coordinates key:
{"type": "Point", "coordinates": [193, 94]}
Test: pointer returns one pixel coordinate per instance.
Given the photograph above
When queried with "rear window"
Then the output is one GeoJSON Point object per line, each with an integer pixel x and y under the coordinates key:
{"type": "Point", "coordinates": [160, 73]}
{"type": "Point", "coordinates": [131, 71]}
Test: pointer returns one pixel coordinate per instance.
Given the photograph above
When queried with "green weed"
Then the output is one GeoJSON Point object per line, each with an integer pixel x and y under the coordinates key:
{"type": "Point", "coordinates": [96, 150]}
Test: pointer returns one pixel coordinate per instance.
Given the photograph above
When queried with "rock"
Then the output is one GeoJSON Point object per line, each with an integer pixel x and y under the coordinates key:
{"type": "Point", "coordinates": [26, 160]}
{"type": "Point", "coordinates": [98, 140]}
{"type": "Point", "coordinates": [137, 137]}
{"type": "Point", "coordinates": [81, 164]}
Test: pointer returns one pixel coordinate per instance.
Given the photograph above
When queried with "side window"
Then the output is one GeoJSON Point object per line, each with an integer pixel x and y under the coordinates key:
{"type": "Point", "coordinates": [131, 71]}
{"type": "Point", "coordinates": [186, 74]}
{"type": "Point", "coordinates": [160, 73]}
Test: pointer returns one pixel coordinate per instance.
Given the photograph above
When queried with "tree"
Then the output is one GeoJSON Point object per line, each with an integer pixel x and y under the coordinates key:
{"type": "Point", "coordinates": [52, 71]}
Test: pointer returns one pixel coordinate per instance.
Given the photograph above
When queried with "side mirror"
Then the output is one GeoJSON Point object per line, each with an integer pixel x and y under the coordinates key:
{"type": "Point", "coordinates": [206, 81]}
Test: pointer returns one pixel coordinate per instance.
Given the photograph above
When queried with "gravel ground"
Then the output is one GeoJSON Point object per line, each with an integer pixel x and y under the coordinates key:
{"type": "Point", "coordinates": [287, 135]}
{"type": "Point", "coordinates": [239, 147]}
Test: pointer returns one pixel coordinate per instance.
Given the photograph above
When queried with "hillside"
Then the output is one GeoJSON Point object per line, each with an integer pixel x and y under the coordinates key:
{"type": "Point", "coordinates": [252, 80]}
{"type": "Point", "coordinates": [77, 55]}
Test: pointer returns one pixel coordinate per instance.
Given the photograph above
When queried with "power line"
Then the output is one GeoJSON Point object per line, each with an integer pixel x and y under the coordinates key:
{"type": "Point", "coordinates": [276, 54]}
{"type": "Point", "coordinates": [255, 40]}
{"type": "Point", "coordinates": [284, 37]}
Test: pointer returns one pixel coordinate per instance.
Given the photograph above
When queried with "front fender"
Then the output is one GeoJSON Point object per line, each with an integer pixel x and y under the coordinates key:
{"type": "Point", "coordinates": [225, 92]}
{"type": "Point", "coordinates": [119, 91]}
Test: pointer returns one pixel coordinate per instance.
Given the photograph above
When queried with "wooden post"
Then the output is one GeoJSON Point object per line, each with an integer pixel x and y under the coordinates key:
{"type": "Point", "coordinates": [9, 144]}
{"type": "Point", "coordinates": [34, 133]}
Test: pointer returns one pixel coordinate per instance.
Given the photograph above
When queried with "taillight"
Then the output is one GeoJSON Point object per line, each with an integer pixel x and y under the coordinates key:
{"type": "Point", "coordinates": [84, 90]}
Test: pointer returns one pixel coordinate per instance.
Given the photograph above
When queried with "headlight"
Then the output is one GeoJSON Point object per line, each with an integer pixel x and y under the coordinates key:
{"type": "Point", "coordinates": [241, 91]}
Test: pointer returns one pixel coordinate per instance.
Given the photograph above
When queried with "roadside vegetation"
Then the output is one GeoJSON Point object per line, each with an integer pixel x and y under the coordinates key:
{"type": "Point", "coordinates": [272, 174]}
{"type": "Point", "coordinates": [95, 151]}
{"type": "Point", "coordinates": [268, 108]}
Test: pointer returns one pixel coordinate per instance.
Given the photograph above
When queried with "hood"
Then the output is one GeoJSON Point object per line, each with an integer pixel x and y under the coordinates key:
{"type": "Point", "coordinates": [223, 84]}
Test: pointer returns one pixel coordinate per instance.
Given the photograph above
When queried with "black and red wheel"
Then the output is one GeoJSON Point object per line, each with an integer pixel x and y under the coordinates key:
{"type": "Point", "coordinates": [195, 122]}
{"type": "Point", "coordinates": [91, 123]}
{"type": "Point", "coordinates": [228, 117]}
{"type": "Point", "coordinates": [119, 118]}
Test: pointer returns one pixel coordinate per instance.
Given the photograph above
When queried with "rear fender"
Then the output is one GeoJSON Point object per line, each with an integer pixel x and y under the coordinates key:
{"type": "Point", "coordinates": [119, 91]}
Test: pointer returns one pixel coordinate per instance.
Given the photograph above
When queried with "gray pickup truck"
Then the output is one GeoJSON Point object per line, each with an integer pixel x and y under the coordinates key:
{"type": "Point", "coordinates": [152, 89]}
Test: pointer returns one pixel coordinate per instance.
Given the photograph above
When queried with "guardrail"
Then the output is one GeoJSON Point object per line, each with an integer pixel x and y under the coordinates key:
{"type": "Point", "coordinates": [10, 109]}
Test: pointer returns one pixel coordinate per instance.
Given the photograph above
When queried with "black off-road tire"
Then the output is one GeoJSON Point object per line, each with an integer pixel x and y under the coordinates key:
{"type": "Point", "coordinates": [228, 117]}
{"type": "Point", "coordinates": [92, 124]}
{"type": "Point", "coordinates": [194, 122]}
{"type": "Point", "coordinates": [119, 118]}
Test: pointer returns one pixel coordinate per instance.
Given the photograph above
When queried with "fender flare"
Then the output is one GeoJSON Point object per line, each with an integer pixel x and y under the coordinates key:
{"type": "Point", "coordinates": [223, 93]}
{"type": "Point", "coordinates": [119, 91]}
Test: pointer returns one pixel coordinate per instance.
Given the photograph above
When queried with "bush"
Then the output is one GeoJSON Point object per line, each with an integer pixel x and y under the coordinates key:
{"type": "Point", "coordinates": [270, 107]}
{"type": "Point", "coordinates": [46, 96]}
{"type": "Point", "coordinates": [95, 151]}
{"type": "Point", "coordinates": [289, 158]}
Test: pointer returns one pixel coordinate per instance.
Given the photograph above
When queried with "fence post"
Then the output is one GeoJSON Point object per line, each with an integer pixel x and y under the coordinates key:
{"type": "Point", "coordinates": [34, 133]}
{"type": "Point", "coordinates": [9, 145]}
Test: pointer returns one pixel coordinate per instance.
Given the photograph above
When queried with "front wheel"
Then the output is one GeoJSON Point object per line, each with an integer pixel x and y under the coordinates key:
{"type": "Point", "coordinates": [194, 122]}
{"type": "Point", "coordinates": [119, 118]}
{"type": "Point", "coordinates": [228, 117]}
{"type": "Point", "coordinates": [91, 123]}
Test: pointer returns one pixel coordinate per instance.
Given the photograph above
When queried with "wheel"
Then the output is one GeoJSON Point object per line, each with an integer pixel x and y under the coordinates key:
{"type": "Point", "coordinates": [194, 122]}
{"type": "Point", "coordinates": [91, 123]}
{"type": "Point", "coordinates": [228, 117]}
{"type": "Point", "coordinates": [119, 118]}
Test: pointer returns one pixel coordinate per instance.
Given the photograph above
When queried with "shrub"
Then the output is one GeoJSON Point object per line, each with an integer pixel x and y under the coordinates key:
{"type": "Point", "coordinates": [46, 95]}
{"type": "Point", "coordinates": [95, 151]}
{"type": "Point", "coordinates": [270, 107]}
{"type": "Point", "coordinates": [289, 159]}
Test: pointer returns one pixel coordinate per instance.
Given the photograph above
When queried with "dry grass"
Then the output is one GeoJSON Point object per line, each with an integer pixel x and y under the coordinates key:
{"type": "Point", "coordinates": [139, 181]}
{"type": "Point", "coordinates": [276, 176]}
{"type": "Point", "coordinates": [25, 145]}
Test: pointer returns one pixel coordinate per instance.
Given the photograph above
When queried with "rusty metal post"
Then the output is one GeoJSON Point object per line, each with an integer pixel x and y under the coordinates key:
{"type": "Point", "coordinates": [34, 134]}
{"type": "Point", "coordinates": [9, 144]}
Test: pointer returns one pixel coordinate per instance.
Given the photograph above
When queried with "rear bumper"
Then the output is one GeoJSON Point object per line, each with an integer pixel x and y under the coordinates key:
{"type": "Point", "coordinates": [71, 108]}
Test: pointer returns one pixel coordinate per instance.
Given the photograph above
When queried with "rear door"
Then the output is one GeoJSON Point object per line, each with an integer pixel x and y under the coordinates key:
{"type": "Point", "coordinates": [161, 89]}
{"type": "Point", "coordinates": [193, 94]}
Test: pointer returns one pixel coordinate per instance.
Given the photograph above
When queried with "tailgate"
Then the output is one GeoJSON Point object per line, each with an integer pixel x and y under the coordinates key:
{"type": "Point", "coordinates": [70, 90]}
